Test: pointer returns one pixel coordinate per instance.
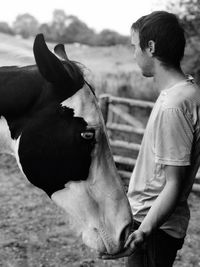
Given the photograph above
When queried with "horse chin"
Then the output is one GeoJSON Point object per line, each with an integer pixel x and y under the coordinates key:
{"type": "Point", "coordinates": [93, 240]}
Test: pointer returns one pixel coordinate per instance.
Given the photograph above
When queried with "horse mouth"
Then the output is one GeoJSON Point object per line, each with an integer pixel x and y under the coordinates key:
{"type": "Point", "coordinates": [94, 240]}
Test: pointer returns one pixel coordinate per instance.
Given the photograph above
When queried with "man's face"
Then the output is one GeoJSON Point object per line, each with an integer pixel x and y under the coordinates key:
{"type": "Point", "coordinates": [143, 58]}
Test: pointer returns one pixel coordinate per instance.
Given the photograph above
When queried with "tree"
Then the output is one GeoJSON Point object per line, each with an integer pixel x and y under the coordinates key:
{"type": "Point", "coordinates": [25, 25]}
{"type": "Point", "coordinates": [78, 31]}
{"type": "Point", "coordinates": [64, 29]}
{"type": "Point", "coordinates": [69, 29]}
{"type": "Point", "coordinates": [109, 37]}
{"type": "Point", "coordinates": [46, 29]}
{"type": "Point", "coordinates": [189, 13]}
{"type": "Point", "coordinates": [58, 24]}
{"type": "Point", "coordinates": [5, 28]}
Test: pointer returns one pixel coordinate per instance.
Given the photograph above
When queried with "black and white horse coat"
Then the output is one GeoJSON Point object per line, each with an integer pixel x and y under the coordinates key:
{"type": "Point", "coordinates": [50, 121]}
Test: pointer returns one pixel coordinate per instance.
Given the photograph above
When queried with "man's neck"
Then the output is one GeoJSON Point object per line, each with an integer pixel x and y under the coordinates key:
{"type": "Point", "coordinates": [165, 78]}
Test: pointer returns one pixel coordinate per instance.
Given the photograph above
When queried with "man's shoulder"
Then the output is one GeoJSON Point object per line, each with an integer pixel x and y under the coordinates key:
{"type": "Point", "coordinates": [183, 97]}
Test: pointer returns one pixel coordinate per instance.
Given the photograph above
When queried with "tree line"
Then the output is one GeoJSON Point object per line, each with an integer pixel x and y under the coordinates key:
{"type": "Point", "coordinates": [189, 13]}
{"type": "Point", "coordinates": [63, 28]}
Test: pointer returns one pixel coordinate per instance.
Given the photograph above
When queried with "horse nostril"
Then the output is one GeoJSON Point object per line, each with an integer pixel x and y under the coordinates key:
{"type": "Point", "coordinates": [95, 230]}
{"type": "Point", "coordinates": [125, 233]}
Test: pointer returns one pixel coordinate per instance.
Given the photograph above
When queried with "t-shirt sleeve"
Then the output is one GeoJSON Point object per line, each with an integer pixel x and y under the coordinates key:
{"type": "Point", "coordinates": [173, 138]}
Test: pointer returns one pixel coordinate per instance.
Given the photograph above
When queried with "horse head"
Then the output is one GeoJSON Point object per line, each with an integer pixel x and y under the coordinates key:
{"type": "Point", "coordinates": [62, 147]}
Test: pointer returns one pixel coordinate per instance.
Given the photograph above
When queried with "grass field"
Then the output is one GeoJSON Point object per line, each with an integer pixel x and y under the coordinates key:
{"type": "Point", "coordinates": [33, 232]}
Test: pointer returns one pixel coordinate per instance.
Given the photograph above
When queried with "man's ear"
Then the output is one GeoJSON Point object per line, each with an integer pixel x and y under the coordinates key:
{"type": "Point", "coordinates": [151, 48]}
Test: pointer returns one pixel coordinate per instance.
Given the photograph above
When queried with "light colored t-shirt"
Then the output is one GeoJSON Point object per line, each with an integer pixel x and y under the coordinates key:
{"type": "Point", "coordinates": [172, 137]}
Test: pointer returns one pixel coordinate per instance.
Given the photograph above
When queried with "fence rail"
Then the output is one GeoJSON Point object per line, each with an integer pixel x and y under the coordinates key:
{"type": "Point", "coordinates": [130, 126]}
{"type": "Point", "coordinates": [124, 128]}
{"type": "Point", "coordinates": [128, 102]}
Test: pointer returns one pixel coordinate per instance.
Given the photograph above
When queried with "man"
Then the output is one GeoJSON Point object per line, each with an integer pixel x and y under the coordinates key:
{"type": "Point", "coordinates": [170, 151]}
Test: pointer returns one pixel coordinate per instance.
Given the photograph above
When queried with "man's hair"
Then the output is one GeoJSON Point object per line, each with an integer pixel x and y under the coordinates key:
{"type": "Point", "coordinates": [165, 30]}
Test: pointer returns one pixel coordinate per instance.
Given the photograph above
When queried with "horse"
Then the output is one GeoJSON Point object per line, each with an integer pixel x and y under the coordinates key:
{"type": "Point", "coordinates": [50, 121]}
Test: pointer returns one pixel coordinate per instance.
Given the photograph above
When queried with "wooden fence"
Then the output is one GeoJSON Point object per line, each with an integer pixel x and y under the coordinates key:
{"type": "Point", "coordinates": [125, 131]}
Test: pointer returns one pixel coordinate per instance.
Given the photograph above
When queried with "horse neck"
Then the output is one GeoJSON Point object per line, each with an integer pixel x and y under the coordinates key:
{"type": "Point", "coordinates": [19, 89]}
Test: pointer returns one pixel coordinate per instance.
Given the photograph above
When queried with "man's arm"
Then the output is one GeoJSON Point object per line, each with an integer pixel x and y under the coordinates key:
{"type": "Point", "coordinates": [161, 209]}
{"type": "Point", "coordinates": [166, 202]}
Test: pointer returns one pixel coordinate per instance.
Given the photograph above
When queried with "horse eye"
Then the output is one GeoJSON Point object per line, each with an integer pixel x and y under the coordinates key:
{"type": "Point", "coordinates": [87, 135]}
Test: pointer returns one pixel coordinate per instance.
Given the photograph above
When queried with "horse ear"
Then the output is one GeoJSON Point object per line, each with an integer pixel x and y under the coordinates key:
{"type": "Point", "coordinates": [66, 76]}
{"type": "Point", "coordinates": [59, 50]}
{"type": "Point", "coordinates": [48, 64]}
{"type": "Point", "coordinates": [72, 68]}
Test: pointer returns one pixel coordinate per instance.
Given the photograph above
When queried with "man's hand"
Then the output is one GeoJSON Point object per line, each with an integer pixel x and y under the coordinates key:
{"type": "Point", "coordinates": [134, 241]}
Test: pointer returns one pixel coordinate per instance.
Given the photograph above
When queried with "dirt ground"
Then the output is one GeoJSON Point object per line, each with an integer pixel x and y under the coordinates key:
{"type": "Point", "coordinates": [34, 233]}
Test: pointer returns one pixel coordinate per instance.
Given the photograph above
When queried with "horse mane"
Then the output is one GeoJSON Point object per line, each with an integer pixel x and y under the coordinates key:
{"type": "Point", "coordinates": [77, 73]}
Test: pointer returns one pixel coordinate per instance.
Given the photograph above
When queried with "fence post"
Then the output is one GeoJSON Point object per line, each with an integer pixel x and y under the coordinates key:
{"type": "Point", "coordinates": [104, 103]}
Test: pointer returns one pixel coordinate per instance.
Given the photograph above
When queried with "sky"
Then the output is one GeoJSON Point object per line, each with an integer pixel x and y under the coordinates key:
{"type": "Point", "coordinates": [116, 15]}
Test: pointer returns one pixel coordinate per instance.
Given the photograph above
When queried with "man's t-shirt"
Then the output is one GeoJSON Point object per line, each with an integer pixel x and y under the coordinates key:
{"type": "Point", "coordinates": [172, 137]}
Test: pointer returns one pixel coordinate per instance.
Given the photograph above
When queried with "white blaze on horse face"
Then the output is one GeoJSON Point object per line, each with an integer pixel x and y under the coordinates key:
{"type": "Point", "coordinates": [99, 205]}
{"type": "Point", "coordinates": [84, 105]}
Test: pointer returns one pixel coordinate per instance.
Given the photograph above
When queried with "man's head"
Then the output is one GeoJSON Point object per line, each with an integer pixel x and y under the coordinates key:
{"type": "Point", "coordinates": [158, 35]}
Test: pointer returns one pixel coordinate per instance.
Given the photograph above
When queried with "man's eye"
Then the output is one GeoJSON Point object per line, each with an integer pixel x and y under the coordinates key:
{"type": "Point", "coordinates": [87, 135]}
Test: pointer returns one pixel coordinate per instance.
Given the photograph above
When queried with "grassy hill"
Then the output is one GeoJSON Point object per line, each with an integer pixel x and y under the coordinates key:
{"type": "Point", "coordinates": [16, 50]}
